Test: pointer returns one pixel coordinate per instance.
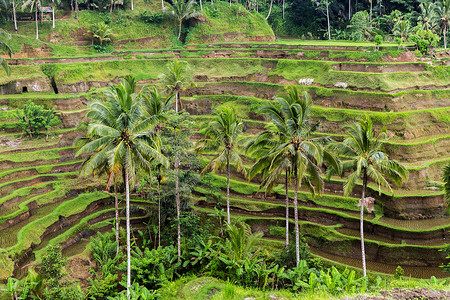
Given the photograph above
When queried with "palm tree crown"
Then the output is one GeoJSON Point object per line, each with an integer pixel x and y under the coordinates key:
{"type": "Point", "coordinates": [426, 15]}
{"type": "Point", "coordinates": [222, 135]}
{"type": "Point", "coordinates": [176, 79]}
{"type": "Point", "coordinates": [181, 10]}
{"type": "Point", "coordinates": [442, 17]}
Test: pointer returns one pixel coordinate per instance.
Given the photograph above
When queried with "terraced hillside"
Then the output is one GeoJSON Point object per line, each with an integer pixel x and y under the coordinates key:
{"type": "Point", "coordinates": [44, 202]}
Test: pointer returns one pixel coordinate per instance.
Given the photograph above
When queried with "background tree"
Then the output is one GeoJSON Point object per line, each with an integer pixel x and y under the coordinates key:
{"type": "Point", "coordinates": [442, 17]}
{"type": "Point", "coordinates": [182, 10]}
{"type": "Point", "coordinates": [367, 160]}
{"type": "Point", "coordinates": [156, 107]}
{"type": "Point", "coordinates": [426, 15]}
{"type": "Point", "coordinates": [177, 147]}
{"type": "Point", "coordinates": [360, 26]}
{"type": "Point", "coordinates": [222, 134]}
{"type": "Point", "coordinates": [176, 78]}
{"type": "Point", "coordinates": [4, 48]}
{"type": "Point", "coordinates": [125, 138]}
{"type": "Point", "coordinates": [324, 7]}
{"type": "Point", "coordinates": [402, 30]}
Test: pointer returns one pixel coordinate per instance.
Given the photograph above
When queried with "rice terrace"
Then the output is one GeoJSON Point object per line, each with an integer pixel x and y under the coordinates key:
{"type": "Point", "coordinates": [239, 149]}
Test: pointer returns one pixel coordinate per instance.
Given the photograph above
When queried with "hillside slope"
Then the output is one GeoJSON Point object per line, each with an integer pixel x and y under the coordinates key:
{"type": "Point", "coordinates": [72, 37]}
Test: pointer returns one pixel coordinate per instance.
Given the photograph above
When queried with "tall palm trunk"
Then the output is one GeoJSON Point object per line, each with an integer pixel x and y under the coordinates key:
{"type": "Point", "coordinates": [361, 222]}
{"type": "Point", "coordinates": [177, 199]}
{"type": "Point", "coordinates": [132, 5]}
{"type": "Point", "coordinates": [76, 9]}
{"type": "Point", "coordinates": [116, 204]}
{"type": "Point", "coordinates": [127, 192]}
{"type": "Point", "coordinates": [36, 16]}
{"type": "Point", "coordinates": [287, 209]}
{"type": "Point", "coordinates": [283, 8]}
{"type": "Point", "coordinates": [162, 4]}
{"type": "Point", "coordinates": [159, 213]}
{"type": "Point", "coordinates": [445, 36]}
{"type": "Point", "coordinates": [349, 9]}
{"type": "Point", "coordinates": [14, 16]}
{"type": "Point", "coordinates": [179, 30]}
{"type": "Point", "coordinates": [53, 16]}
{"type": "Point", "coordinates": [228, 186]}
{"type": "Point", "coordinates": [177, 190]}
{"type": "Point", "coordinates": [370, 11]}
{"type": "Point", "coordinates": [297, 232]}
{"type": "Point", "coordinates": [328, 21]}
{"type": "Point", "coordinates": [270, 9]}
{"type": "Point", "coordinates": [201, 6]}
{"type": "Point", "coordinates": [176, 101]}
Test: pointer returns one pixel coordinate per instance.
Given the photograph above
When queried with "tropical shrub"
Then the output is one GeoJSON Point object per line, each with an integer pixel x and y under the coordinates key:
{"type": "Point", "coordinates": [149, 18]}
{"type": "Point", "coordinates": [34, 117]}
{"type": "Point", "coordinates": [153, 267]}
{"type": "Point", "coordinates": [446, 266]}
{"type": "Point", "coordinates": [360, 26]}
{"type": "Point", "coordinates": [104, 283]}
{"type": "Point", "coordinates": [52, 271]}
{"type": "Point", "coordinates": [446, 180]}
{"type": "Point", "coordinates": [425, 40]}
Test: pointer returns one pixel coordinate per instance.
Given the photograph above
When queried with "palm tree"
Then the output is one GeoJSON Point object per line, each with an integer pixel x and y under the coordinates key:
{"type": "Point", "coordinates": [155, 106]}
{"type": "Point", "coordinates": [4, 48]}
{"type": "Point", "coordinates": [259, 148]}
{"type": "Point", "coordinates": [101, 32]}
{"type": "Point", "coordinates": [402, 29]}
{"type": "Point", "coordinates": [123, 137]}
{"type": "Point", "coordinates": [182, 10]}
{"type": "Point", "coordinates": [176, 79]}
{"type": "Point", "coordinates": [36, 4]}
{"type": "Point", "coordinates": [296, 150]}
{"type": "Point", "coordinates": [442, 17]}
{"type": "Point", "coordinates": [366, 160]}
{"type": "Point", "coordinates": [426, 14]}
{"type": "Point", "coordinates": [222, 134]}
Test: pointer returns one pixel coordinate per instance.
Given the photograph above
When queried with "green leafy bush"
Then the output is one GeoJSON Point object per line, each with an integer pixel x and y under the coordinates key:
{"type": "Point", "coordinates": [360, 27]}
{"type": "Point", "coordinates": [153, 267]}
{"type": "Point", "coordinates": [446, 180]}
{"type": "Point", "coordinates": [52, 270]}
{"type": "Point", "coordinates": [399, 272]}
{"type": "Point", "coordinates": [149, 18]}
{"type": "Point", "coordinates": [424, 40]}
{"type": "Point", "coordinates": [34, 117]}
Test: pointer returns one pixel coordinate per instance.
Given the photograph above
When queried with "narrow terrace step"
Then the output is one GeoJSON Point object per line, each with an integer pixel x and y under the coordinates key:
{"type": "Point", "coordinates": [20, 173]}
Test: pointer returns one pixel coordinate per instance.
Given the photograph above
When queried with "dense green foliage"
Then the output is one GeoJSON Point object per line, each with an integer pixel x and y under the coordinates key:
{"type": "Point", "coordinates": [33, 118]}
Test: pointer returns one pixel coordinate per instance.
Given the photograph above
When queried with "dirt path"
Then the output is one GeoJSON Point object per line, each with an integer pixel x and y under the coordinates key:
{"type": "Point", "coordinates": [406, 294]}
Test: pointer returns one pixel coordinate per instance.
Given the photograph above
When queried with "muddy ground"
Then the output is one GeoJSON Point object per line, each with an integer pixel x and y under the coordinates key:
{"type": "Point", "coordinates": [406, 294]}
